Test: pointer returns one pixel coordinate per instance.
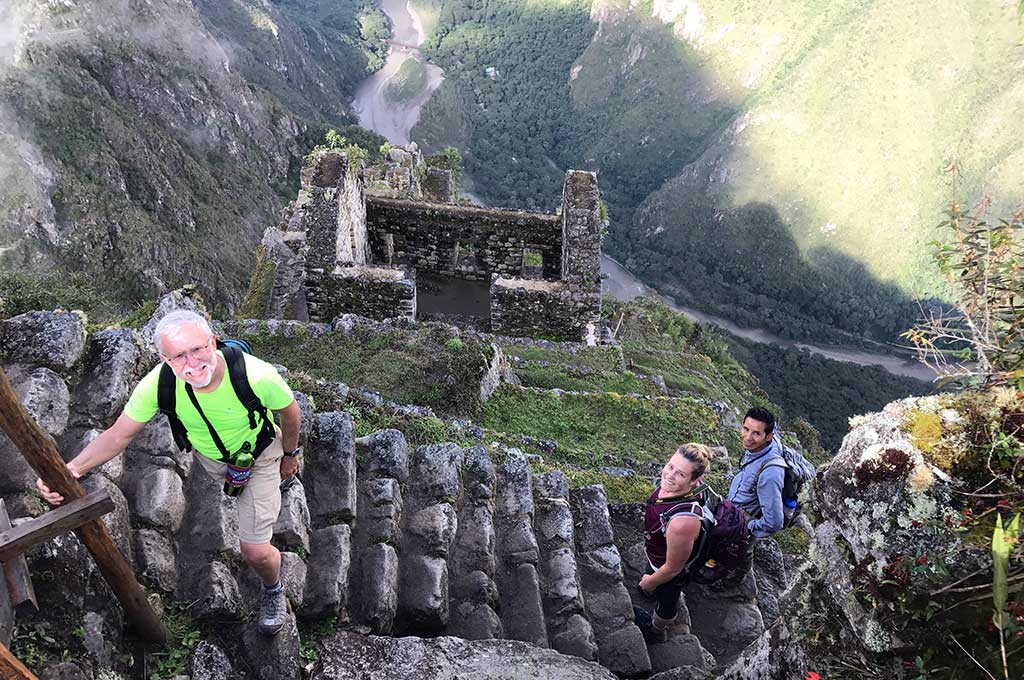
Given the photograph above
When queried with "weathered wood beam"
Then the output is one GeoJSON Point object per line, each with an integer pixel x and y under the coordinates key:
{"type": "Point", "coordinates": [15, 570]}
{"type": "Point", "coordinates": [41, 453]}
{"type": "Point", "coordinates": [11, 668]}
{"type": "Point", "coordinates": [61, 519]}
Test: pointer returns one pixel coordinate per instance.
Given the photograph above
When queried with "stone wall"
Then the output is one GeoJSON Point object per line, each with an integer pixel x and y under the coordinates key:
{"type": "Point", "coordinates": [542, 308]}
{"type": "Point", "coordinates": [460, 241]}
{"type": "Point", "coordinates": [374, 292]}
{"type": "Point", "coordinates": [581, 230]}
{"type": "Point", "coordinates": [334, 213]}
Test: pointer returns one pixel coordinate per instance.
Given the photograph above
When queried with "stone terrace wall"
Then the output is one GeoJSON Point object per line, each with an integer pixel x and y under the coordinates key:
{"type": "Point", "coordinates": [542, 308]}
{"type": "Point", "coordinates": [466, 242]}
{"type": "Point", "coordinates": [334, 212]}
{"type": "Point", "coordinates": [374, 292]}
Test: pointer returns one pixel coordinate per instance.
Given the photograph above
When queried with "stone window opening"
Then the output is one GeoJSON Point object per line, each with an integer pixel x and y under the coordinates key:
{"type": "Point", "coordinates": [465, 261]}
{"type": "Point", "coordinates": [533, 264]}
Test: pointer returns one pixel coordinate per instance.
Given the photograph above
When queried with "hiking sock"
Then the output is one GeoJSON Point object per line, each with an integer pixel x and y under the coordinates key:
{"type": "Point", "coordinates": [274, 588]}
{"type": "Point", "coordinates": [661, 624]}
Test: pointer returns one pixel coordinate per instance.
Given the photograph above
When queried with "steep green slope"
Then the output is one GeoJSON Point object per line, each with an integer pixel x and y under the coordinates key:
{"type": "Point", "coordinates": [780, 162]}
{"type": "Point", "coordinates": [147, 145]}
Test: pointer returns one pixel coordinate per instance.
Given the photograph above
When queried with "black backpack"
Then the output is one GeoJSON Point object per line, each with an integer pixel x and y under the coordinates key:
{"type": "Point", "coordinates": [234, 351]}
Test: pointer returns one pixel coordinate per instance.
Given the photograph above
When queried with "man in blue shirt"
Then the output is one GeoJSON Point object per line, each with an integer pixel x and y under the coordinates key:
{"type": "Point", "coordinates": [757, 486]}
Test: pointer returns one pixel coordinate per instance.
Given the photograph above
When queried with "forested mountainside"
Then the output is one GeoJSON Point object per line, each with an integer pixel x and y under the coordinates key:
{"type": "Point", "coordinates": [783, 163]}
{"type": "Point", "coordinates": [148, 144]}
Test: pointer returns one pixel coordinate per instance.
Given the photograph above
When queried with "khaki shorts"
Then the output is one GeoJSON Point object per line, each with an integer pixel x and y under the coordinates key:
{"type": "Point", "coordinates": [260, 501]}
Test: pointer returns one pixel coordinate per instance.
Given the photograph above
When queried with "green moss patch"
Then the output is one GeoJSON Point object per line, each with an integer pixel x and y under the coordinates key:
{"type": "Point", "coordinates": [256, 303]}
{"type": "Point", "coordinates": [624, 427]}
{"type": "Point", "coordinates": [551, 377]}
{"type": "Point", "coordinates": [601, 358]}
{"type": "Point", "coordinates": [407, 366]}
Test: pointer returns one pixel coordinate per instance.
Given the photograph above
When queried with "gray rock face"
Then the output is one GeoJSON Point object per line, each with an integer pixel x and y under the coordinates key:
{"type": "Point", "coordinates": [155, 442]}
{"type": "Point", "coordinates": [376, 600]}
{"type": "Point", "coordinates": [680, 649]}
{"type": "Point", "coordinates": [380, 511]}
{"type": "Point", "coordinates": [54, 340]}
{"type": "Point", "coordinates": [620, 644]}
{"type": "Point", "coordinates": [331, 470]}
{"type": "Point", "coordinates": [115, 361]}
{"type": "Point", "coordinates": [209, 662]}
{"type": "Point", "coordinates": [568, 630]}
{"type": "Point", "coordinates": [154, 559]}
{"type": "Point", "coordinates": [725, 621]}
{"type": "Point", "coordinates": [176, 299]}
{"type": "Point", "coordinates": [291, 530]}
{"type": "Point", "coordinates": [435, 471]}
{"type": "Point", "coordinates": [771, 577]}
{"type": "Point", "coordinates": [383, 454]}
{"type": "Point", "coordinates": [776, 654]}
{"type": "Point", "coordinates": [349, 656]}
{"type": "Point", "coordinates": [522, 609]}
{"type": "Point", "coordinates": [276, 657]}
{"type": "Point", "coordinates": [423, 593]}
{"type": "Point", "coordinates": [293, 576]}
{"type": "Point", "coordinates": [215, 593]}
{"type": "Point", "coordinates": [327, 577]}
{"type": "Point", "coordinates": [160, 499]}
{"type": "Point", "coordinates": [65, 670]}
{"type": "Point", "coordinates": [45, 397]}
{"type": "Point", "coordinates": [118, 520]}
{"type": "Point", "coordinates": [113, 469]}
{"type": "Point", "coordinates": [210, 526]}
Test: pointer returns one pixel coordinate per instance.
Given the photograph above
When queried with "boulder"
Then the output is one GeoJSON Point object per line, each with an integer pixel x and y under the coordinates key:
{"type": "Point", "coordinates": [55, 340]}
{"type": "Point", "coordinates": [331, 470]}
{"type": "Point", "coordinates": [376, 600]}
{"type": "Point", "coordinates": [350, 656]}
{"type": "Point", "coordinates": [291, 530]}
{"type": "Point", "coordinates": [114, 363]}
{"type": "Point", "coordinates": [160, 499]}
{"type": "Point", "coordinates": [275, 657]}
{"type": "Point", "coordinates": [182, 298]}
{"type": "Point", "coordinates": [155, 559]}
{"type": "Point", "coordinates": [209, 662]}
{"type": "Point", "coordinates": [215, 593]}
{"type": "Point", "coordinates": [326, 589]}
{"type": "Point", "coordinates": [383, 454]}
{"type": "Point", "coordinates": [46, 399]}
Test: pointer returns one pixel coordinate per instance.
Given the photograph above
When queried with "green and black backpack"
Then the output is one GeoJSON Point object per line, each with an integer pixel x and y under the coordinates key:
{"type": "Point", "coordinates": [234, 356]}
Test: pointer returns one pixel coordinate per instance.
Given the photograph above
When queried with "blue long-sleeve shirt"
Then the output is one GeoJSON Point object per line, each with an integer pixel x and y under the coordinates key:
{"type": "Point", "coordinates": [767, 497]}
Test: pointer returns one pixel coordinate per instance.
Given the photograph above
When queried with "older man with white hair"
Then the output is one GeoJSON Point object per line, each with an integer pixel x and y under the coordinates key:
{"type": "Point", "coordinates": [221, 430]}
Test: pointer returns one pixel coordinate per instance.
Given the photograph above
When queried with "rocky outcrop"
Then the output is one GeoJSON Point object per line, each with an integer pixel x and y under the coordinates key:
{"type": "Point", "coordinates": [349, 656]}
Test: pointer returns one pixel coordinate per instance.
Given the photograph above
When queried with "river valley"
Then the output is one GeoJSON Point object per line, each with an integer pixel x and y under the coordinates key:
{"type": "Point", "coordinates": [395, 122]}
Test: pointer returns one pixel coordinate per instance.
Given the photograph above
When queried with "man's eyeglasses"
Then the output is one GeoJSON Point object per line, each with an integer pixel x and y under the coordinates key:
{"type": "Point", "coordinates": [198, 353]}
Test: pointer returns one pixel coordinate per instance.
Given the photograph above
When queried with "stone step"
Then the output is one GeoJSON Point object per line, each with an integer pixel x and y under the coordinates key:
{"type": "Point", "coordinates": [428, 530]}
{"type": "Point", "coordinates": [517, 554]}
{"type": "Point", "coordinates": [473, 593]}
{"type": "Point", "coordinates": [568, 629]}
{"type": "Point", "coordinates": [382, 466]}
{"type": "Point", "coordinates": [621, 646]}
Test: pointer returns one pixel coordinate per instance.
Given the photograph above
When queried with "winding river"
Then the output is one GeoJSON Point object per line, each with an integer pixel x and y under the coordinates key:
{"type": "Point", "coordinates": [375, 112]}
{"type": "Point", "coordinates": [395, 121]}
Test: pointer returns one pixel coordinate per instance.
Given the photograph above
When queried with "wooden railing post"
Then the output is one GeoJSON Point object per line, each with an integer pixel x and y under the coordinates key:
{"type": "Point", "coordinates": [42, 455]}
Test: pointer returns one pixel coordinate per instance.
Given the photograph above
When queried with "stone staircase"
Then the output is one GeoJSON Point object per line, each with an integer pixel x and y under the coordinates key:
{"type": "Point", "coordinates": [446, 542]}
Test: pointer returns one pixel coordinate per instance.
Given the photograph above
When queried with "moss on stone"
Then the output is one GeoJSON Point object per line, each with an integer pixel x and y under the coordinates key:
{"type": "Point", "coordinates": [792, 541]}
{"type": "Point", "coordinates": [256, 302]}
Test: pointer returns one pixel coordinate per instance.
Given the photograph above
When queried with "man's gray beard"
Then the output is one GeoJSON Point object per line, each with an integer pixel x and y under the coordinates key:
{"type": "Point", "coordinates": [212, 368]}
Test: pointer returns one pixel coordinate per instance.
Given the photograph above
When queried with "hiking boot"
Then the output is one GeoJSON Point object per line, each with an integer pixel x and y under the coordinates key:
{"type": "Point", "coordinates": [645, 622]}
{"type": "Point", "coordinates": [273, 611]}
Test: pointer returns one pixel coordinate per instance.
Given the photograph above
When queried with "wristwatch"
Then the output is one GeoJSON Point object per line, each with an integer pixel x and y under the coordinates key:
{"type": "Point", "coordinates": [293, 454]}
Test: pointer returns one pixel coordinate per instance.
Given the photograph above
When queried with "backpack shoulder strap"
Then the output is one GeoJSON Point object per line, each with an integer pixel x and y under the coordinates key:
{"type": "Point", "coordinates": [166, 397]}
{"type": "Point", "coordinates": [235, 360]}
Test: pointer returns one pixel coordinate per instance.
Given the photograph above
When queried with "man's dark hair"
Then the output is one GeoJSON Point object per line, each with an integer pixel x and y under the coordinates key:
{"type": "Point", "coordinates": [761, 414]}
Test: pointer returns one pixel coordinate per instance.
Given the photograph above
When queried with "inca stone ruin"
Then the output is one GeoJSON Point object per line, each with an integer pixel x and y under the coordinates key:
{"type": "Point", "coordinates": [344, 248]}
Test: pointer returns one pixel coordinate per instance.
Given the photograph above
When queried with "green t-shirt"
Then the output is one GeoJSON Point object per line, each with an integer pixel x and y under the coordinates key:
{"type": "Point", "coordinates": [226, 413]}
